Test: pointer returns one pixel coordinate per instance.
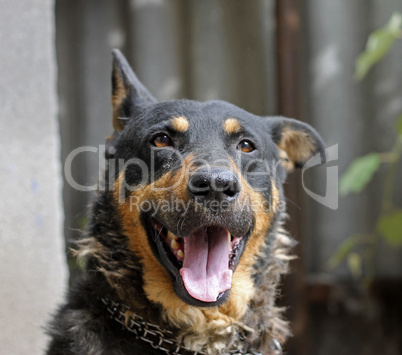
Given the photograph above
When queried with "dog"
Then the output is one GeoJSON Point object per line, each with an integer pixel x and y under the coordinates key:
{"type": "Point", "coordinates": [185, 247]}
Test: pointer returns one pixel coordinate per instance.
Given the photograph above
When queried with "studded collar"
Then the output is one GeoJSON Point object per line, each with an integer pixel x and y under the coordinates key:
{"type": "Point", "coordinates": [160, 339]}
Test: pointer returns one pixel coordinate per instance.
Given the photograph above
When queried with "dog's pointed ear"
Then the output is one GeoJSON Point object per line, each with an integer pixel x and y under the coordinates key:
{"type": "Point", "coordinates": [129, 95]}
{"type": "Point", "coordinates": [297, 141]}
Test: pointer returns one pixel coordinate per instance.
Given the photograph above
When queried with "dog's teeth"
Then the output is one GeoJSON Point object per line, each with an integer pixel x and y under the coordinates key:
{"type": "Point", "coordinates": [229, 240]}
{"type": "Point", "coordinates": [174, 244]}
{"type": "Point", "coordinates": [180, 254]}
{"type": "Point", "coordinates": [171, 236]}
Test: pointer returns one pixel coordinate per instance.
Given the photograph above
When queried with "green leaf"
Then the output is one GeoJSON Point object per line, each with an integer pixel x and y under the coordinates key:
{"type": "Point", "coordinates": [395, 23]}
{"type": "Point", "coordinates": [343, 250]}
{"type": "Point", "coordinates": [378, 45]}
{"type": "Point", "coordinates": [399, 125]}
{"type": "Point", "coordinates": [390, 227]}
{"type": "Point", "coordinates": [359, 173]}
{"type": "Point", "coordinates": [355, 265]}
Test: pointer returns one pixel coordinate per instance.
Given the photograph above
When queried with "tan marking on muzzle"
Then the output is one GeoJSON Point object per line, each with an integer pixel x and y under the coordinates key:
{"type": "Point", "coordinates": [157, 284]}
{"type": "Point", "coordinates": [242, 283]}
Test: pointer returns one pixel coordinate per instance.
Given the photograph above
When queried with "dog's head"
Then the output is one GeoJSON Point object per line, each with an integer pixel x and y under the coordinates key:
{"type": "Point", "coordinates": [198, 186]}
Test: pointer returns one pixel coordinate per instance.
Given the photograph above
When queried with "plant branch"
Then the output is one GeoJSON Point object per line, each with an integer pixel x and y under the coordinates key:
{"type": "Point", "coordinates": [390, 178]}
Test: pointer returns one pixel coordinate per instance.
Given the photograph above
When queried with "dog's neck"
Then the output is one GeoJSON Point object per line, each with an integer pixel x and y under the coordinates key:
{"type": "Point", "coordinates": [160, 339]}
{"type": "Point", "coordinates": [210, 329]}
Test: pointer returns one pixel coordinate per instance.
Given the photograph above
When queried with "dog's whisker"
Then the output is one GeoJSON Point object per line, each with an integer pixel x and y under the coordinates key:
{"type": "Point", "coordinates": [157, 234]}
{"type": "Point", "coordinates": [293, 203]}
{"type": "Point", "coordinates": [180, 223]}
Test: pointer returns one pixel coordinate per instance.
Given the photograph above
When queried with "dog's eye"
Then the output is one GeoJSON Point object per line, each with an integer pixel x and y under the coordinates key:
{"type": "Point", "coordinates": [245, 146]}
{"type": "Point", "coordinates": [162, 141]}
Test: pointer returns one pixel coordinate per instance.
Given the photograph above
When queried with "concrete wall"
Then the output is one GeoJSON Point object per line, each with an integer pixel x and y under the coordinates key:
{"type": "Point", "coordinates": [32, 262]}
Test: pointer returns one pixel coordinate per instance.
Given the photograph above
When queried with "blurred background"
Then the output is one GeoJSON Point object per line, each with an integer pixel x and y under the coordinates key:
{"type": "Point", "coordinates": [271, 57]}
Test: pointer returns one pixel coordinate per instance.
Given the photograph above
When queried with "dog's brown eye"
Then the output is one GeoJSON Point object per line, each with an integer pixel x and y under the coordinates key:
{"type": "Point", "coordinates": [163, 141]}
{"type": "Point", "coordinates": [245, 146]}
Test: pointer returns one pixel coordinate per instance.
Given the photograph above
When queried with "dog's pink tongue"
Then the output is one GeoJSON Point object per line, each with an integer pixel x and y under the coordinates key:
{"type": "Point", "coordinates": [205, 270]}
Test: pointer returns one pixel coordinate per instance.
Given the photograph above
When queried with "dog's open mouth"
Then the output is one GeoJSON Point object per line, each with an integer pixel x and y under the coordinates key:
{"type": "Point", "coordinates": [205, 260]}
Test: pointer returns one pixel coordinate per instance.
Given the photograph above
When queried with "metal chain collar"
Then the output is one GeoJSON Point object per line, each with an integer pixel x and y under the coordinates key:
{"type": "Point", "coordinates": [161, 339]}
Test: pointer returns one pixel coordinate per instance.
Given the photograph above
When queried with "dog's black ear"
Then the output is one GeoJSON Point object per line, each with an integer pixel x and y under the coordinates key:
{"type": "Point", "coordinates": [129, 96]}
{"type": "Point", "coordinates": [297, 141]}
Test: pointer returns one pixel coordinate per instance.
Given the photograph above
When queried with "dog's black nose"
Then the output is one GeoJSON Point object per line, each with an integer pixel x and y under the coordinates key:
{"type": "Point", "coordinates": [214, 184]}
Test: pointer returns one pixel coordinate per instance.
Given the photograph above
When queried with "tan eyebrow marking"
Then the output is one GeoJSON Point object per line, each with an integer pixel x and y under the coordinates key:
{"type": "Point", "coordinates": [179, 123]}
{"type": "Point", "coordinates": [232, 125]}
